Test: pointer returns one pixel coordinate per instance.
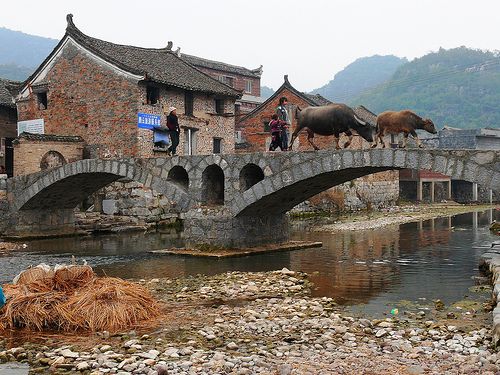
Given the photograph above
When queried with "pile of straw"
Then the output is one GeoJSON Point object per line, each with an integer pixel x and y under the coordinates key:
{"type": "Point", "coordinates": [73, 298]}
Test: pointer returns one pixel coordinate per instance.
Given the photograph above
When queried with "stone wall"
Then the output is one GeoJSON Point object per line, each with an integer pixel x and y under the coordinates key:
{"type": "Point", "coordinates": [28, 154]}
{"type": "Point", "coordinates": [371, 192]}
{"type": "Point", "coordinates": [133, 199]}
{"type": "Point", "coordinates": [461, 191]}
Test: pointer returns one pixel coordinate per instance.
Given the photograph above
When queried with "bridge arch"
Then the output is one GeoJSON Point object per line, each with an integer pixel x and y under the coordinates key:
{"type": "Point", "coordinates": [250, 174]}
{"type": "Point", "coordinates": [66, 186]}
{"type": "Point", "coordinates": [312, 173]}
{"type": "Point", "coordinates": [212, 192]}
{"type": "Point", "coordinates": [178, 175]}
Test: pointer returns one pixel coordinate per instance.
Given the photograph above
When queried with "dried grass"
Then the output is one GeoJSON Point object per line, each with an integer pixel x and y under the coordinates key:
{"type": "Point", "coordinates": [75, 299]}
{"type": "Point", "coordinates": [107, 304]}
{"type": "Point", "coordinates": [35, 274]}
{"type": "Point", "coordinates": [72, 277]}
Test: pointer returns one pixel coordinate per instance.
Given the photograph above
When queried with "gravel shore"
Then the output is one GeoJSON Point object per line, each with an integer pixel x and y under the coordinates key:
{"type": "Point", "coordinates": [398, 215]}
{"type": "Point", "coordinates": [267, 323]}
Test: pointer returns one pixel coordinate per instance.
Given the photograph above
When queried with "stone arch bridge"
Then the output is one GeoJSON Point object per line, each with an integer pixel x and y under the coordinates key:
{"type": "Point", "coordinates": [225, 199]}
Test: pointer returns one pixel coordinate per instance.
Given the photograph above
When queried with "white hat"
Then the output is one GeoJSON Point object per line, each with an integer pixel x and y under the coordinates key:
{"type": "Point", "coordinates": [170, 109]}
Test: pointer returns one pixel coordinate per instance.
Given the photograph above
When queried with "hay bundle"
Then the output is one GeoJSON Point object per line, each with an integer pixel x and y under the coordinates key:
{"type": "Point", "coordinates": [41, 273]}
{"type": "Point", "coordinates": [107, 304]}
{"type": "Point", "coordinates": [32, 310]}
{"type": "Point", "coordinates": [72, 277]}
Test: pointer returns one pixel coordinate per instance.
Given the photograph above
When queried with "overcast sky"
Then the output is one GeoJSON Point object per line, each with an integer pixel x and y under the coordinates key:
{"type": "Point", "coordinates": [308, 40]}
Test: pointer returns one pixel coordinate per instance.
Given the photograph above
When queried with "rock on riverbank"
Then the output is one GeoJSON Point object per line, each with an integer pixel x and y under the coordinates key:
{"type": "Point", "coordinates": [264, 323]}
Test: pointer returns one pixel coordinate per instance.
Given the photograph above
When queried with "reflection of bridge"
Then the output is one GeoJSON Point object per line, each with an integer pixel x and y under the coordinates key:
{"type": "Point", "coordinates": [227, 197]}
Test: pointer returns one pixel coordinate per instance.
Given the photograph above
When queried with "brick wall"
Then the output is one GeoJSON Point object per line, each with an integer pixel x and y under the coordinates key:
{"type": "Point", "coordinates": [28, 154]}
{"type": "Point", "coordinates": [8, 122]}
{"type": "Point", "coordinates": [205, 121]}
{"type": "Point", "coordinates": [239, 81]}
{"type": "Point", "coordinates": [89, 99]}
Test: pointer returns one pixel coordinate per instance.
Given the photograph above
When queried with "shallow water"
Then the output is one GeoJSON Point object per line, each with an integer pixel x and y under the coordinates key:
{"type": "Point", "coordinates": [368, 270]}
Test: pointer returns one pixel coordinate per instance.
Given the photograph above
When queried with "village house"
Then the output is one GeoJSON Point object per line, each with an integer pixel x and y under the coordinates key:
{"type": "Point", "coordinates": [8, 124]}
{"type": "Point", "coordinates": [253, 135]}
{"type": "Point", "coordinates": [240, 78]}
{"type": "Point", "coordinates": [102, 92]}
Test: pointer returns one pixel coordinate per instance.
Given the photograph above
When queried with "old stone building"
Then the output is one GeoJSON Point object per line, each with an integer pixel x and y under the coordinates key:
{"type": "Point", "coordinates": [8, 123]}
{"type": "Point", "coordinates": [96, 90]}
{"type": "Point", "coordinates": [254, 136]}
{"type": "Point", "coordinates": [240, 78]}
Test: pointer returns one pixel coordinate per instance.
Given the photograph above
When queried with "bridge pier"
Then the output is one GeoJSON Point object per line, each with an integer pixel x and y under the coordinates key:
{"type": "Point", "coordinates": [236, 232]}
{"type": "Point", "coordinates": [41, 223]}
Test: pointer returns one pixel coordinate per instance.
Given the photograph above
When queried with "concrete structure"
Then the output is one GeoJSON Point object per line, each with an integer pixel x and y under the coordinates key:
{"type": "Point", "coordinates": [424, 185]}
{"type": "Point", "coordinates": [8, 123]}
{"type": "Point", "coordinates": [224, 199]}
{"type": "Point", "coordinates": [95, 89]}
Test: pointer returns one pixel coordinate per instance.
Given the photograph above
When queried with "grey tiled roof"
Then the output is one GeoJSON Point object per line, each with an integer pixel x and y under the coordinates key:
{"type": "Point", "coordinates": [8, 89]}
{"type": "Point", "coordinates": [157, 65]}
{"type": "Point", "coordinates": [317, 99]}
{"type": "Point", "coordinates": [50, 137]}
{"type": "Point", "coordinates": [217, 65]}
{"type": "Point", "coordinates": [366, 115]}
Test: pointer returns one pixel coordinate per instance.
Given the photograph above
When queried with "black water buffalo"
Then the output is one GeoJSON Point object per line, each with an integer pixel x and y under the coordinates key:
{"type": "Point", "coordinates": [405, 122]}
{"type": "Point", "coordinates": [332, 119]}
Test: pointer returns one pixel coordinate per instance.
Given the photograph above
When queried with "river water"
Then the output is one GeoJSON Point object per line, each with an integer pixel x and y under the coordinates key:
{"type": "Point", "coordinates": [367, 270]}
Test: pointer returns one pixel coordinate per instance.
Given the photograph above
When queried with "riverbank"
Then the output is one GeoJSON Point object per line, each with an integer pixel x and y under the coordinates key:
{"type": "Point", "coordinates": [267, 323]}
{"type": "Point", "coordinates": [398, 215]}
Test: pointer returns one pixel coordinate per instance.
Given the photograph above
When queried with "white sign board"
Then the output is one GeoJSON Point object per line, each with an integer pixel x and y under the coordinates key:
{"type": "Point", "coordinates": [31, 126]}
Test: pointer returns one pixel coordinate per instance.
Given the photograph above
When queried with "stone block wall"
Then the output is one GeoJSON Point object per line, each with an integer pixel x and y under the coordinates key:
{"type": "Point", "coordinates": [133, 199]}
{"type": "Point", "coordinates": [28, 154]}
{"type": "Point", "coordinates": [374, 191]}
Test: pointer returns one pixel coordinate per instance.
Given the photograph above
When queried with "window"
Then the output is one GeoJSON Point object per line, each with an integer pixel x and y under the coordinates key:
{"type": "Point", "coordinates": [219, 106]}
{"type": "Point", "coordinates": [248, 86]}
{"type": "Point", "coordinates": [42, 100]}
{"type": "Point", "coordinates": [152, 95]}
{"type": "Point", "coordinates": [217, 145]}
{"type": "Point", "coordinates": [188, 103]}
{"type": "Point", "coordinates": [190, 141]}
{"type": "Point", "coordinates": [227, 80]}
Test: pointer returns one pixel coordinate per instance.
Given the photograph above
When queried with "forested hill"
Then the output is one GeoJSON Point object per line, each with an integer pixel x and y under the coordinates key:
{"type": "Point", "coordinates": [20, 53]}
{"type": "Point", "coordinates": [362, 74]}
{"type": "Point", "coordinates": [459, 87]}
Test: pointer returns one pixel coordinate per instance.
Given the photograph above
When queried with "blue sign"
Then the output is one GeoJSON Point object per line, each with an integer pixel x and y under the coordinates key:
{"type": "Point", "coordinates": [148, 121]}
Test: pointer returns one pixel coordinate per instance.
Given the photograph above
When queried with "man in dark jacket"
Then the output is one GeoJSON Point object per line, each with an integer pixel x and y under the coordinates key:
{"type": "Point", "coordinates": [173, 130]}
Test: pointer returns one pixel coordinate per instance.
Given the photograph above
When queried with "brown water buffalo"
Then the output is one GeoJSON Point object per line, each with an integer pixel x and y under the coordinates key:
{"type": "Point", "coordinates": [405, 122]}
{"type": "Point", "coordinates": [332, 119]}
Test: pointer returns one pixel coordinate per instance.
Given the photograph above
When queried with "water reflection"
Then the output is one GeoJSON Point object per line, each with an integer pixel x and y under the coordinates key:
{"type": "Point", "coordinates": [427, 259]}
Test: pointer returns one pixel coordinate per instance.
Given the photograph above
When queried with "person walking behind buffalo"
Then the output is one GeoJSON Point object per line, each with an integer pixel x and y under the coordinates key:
{"type": "Point", "coordinates": [285, 122]}
{"type": "Point", "coordinates": [173, 130]}
{"type": "Point", "coordinates": [275, 126]}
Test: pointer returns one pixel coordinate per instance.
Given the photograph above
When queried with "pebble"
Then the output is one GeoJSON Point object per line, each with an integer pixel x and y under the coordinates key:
{"type": "Point", "coordinates": [290, 333]}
